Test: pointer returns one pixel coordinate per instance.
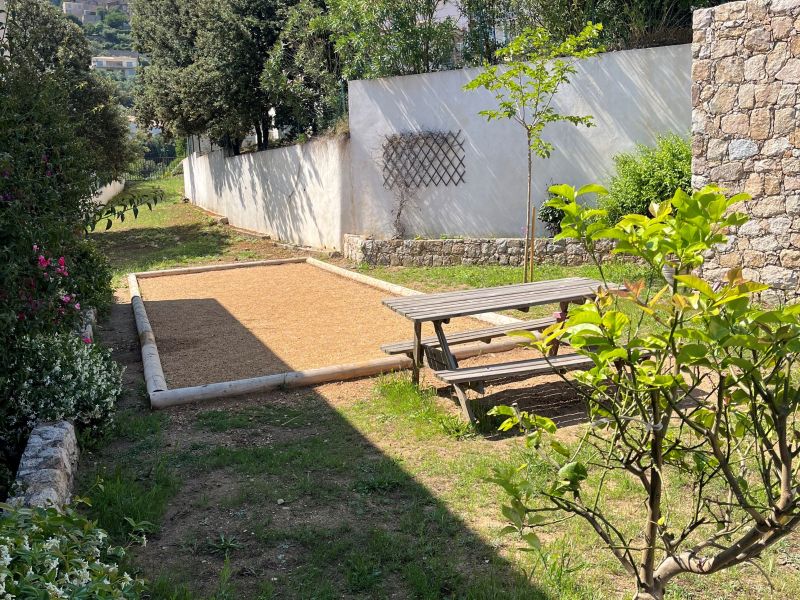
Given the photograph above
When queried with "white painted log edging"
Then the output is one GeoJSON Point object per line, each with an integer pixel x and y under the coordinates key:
{"type": "Point", "coordinates": [163, 397]}
{"type": "Point", "coordinates": [220, 267]}
{"type": "Point", "coordinates": [153, 373]}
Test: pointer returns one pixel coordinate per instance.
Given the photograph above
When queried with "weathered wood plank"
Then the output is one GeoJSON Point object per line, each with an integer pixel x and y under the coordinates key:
{"type": "Point", "coordinates": [432, 307]}
{"type": "Point", "coordinates": [463, 337]}
{"type": "Point", "coordinates": [522, 368]}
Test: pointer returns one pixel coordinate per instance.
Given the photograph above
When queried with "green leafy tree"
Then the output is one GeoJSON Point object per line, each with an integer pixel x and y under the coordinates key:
{"type": "Point", "coordinates": [627, 23]}
{"type": "Point", "coordinates": [301, 74]}
{"type": "Point", "coordinates": [206, 59]}
{"type": "Point", "coordinates": [487, 22]}
{"type": "Point", "coordinates": [379, 38]}
{"type": "Point", "coordinates": [535, 65]}
{"type": "Point", "coordinates": [698, 410]}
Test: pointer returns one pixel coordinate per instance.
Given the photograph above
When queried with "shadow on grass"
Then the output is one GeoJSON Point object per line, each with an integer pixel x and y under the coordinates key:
{"type": "Point", "coordinates": [279, 495]}
{"type": "Point", "coordinates": [137, 249]}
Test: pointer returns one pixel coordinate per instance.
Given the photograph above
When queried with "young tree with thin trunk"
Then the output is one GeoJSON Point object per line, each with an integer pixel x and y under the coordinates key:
{"type": "Point", "coordinates": [694, 411]}
{"type": "Point", "coordinates": [533, 68]}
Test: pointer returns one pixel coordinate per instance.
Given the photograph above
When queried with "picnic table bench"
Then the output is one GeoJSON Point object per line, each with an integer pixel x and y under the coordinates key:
{"type": "Point", "coordinates": [441, 307]}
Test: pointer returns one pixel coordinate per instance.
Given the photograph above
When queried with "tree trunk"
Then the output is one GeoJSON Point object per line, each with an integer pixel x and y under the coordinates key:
{"type": "Point", "coordinates": [651, 586]}
{"type": "Point", "coordinates": [259, 136]}
{"type": "Point", "coordinates": [526, 246]}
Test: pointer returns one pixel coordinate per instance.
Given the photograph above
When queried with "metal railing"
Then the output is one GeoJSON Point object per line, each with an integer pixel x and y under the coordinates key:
{"type": "Point", "coordinates": [146, 169]}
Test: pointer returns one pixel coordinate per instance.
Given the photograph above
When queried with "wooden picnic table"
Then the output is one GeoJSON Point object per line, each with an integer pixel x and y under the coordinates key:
{"type": "Point", "coordinates": [441, 307]}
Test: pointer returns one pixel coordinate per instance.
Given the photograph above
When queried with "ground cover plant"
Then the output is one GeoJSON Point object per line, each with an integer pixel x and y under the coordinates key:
{"type": "Point", "coordinates": [706, 396]}
{"type": "Point", "coordinates": [45, 553]}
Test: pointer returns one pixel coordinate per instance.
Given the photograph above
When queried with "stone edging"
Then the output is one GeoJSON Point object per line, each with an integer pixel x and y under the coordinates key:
{"type": "Point", "coordinates": [47, 469]}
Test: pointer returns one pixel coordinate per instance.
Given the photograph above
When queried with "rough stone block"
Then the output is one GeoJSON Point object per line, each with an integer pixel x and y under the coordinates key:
{"type": "Point", "coordinates": [785, 7]}
{"type": "Point", "coordinates": [779, 277]}
{"type": "Point", "coordinates": [757, 40]}
{"type": "Point", "coordinates": [741, 149]}
{"type": "Point", "coordinates": [754, 68]}
{"type": "Point", "coordinates": [736, 123]}
{"type": "Point", "coordinates": [790, 72]}
{"type": "Point", "coordinates": [729, 70]}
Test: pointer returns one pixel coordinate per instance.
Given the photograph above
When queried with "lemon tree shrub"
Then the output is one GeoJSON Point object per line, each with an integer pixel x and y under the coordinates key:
{"type": "Point", "coordinates": [698, 410]}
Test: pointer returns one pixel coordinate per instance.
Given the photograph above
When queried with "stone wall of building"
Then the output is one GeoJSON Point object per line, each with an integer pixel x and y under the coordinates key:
{"type": "Point", "coordinates": [470, 251]}
{"type": "Point", "coordinates": [745, 134]}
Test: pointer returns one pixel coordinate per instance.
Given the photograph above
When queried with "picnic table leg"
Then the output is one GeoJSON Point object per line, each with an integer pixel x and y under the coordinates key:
{"type": "Point", "coordinates": [560, 316]}
{"type": "Point", "coordinates": [452, 363]}
{"type": "Point", "coordinates": [417, 353]}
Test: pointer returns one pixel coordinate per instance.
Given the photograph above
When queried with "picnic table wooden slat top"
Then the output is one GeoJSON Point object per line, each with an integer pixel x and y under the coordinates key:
{"type": "Point", "coordinates": [446, 305]}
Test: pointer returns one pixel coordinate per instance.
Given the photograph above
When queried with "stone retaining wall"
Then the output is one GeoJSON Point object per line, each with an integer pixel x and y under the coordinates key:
{"type": "Point", "coordinates": [472, 251]}
{"type": "Point", "coordinates": [745, 83]}
{"type": "Point", "coordinates": [47, 469]}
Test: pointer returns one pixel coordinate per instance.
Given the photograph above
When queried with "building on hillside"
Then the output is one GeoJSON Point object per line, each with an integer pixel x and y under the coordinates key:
{"type": "Point", "coordinates": [89, 11]}
{"type": "Point", "coordinates": [124, 62]}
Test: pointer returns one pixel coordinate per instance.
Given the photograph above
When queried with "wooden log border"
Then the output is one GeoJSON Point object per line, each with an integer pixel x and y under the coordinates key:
{"type": "Point", "coordinates": [163, 397]}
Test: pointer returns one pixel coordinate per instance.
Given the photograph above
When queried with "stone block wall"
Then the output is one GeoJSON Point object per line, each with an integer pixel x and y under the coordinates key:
{"type": "Point", "coordinates": [47, 468]}
{"type": "Point", "coordinates": [470, 251]}
{"type": "Point", "coordinates": [745, 131]}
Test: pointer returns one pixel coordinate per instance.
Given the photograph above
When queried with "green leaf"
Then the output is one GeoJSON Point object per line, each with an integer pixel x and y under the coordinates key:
{"type": "Point", "coordinates": [573, 472]}
{"type": "Point", "coordinates": [694, 282]}
{"type": "Point", "coordinates": [560, 448]}
{"type": "Point", "coordinates": [592, 188]}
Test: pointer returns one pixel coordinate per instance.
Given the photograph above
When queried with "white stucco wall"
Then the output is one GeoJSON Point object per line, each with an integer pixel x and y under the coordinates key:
{"type": "Point", "coordinates": [633, 95]}
{"type": "Point", "coordinates": [108, 191]}
{"type": "Point", "coordinates": [298, 194]}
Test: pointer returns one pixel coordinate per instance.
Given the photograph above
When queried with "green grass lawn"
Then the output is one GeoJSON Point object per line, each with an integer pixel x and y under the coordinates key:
{"type": "Point", "coordinates": [435, 279]}
{"type": "Point", "coordinates": [366, 489]}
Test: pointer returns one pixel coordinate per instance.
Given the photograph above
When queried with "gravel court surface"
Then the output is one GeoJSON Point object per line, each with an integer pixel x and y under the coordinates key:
{"type": "Point", "coordinates": [226, 325]}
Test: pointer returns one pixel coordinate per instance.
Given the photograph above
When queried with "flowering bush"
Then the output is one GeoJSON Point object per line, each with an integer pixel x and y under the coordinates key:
{"type": "Point", "coordinates": [61, 377]}
{"type": "Point", "coordinates": [47, 297]}
{"type": "Point", "coordinates": [47, 554]}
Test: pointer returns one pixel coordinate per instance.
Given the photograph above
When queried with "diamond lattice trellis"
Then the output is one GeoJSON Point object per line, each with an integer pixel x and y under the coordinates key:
{"type": "Point", "coordinates": [428, 158]}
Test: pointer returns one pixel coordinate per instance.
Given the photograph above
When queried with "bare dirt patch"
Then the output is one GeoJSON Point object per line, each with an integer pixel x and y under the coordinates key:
{"type": "Point", "coordinates": [224, 325]}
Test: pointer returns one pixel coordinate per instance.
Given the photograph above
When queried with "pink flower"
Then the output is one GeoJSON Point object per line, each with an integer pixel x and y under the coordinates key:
{"type": "Point", "coordinates": [86, 340]}
{"type": "Point", "coordinates": [61, 262]}
{"type": "Point", "coordinates": [35, 248]}
{"type": "Point", "coordinates": [44, 262]}
{"type": "Point", "coordinates": [66, 299]}
{"type": "Point", "coordinates": [77, 306]}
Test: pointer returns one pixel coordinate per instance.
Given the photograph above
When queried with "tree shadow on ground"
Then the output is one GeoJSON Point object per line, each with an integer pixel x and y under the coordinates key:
{"type": "Point", "coordinates": [144, 245]}
{"type": "Point", "coordinates": [284, 494]}
{"type": "Point", "coordinates": [552, 398]}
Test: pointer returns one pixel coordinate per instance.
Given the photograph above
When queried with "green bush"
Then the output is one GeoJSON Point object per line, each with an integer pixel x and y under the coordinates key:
{"type": "Point", "coordinates": [92, 275]}
{"type": "Point", "coordinates": [47, 554]}
{"type": "Point", "coordinates": [650, 174]}
{"type": "Point", "coordinates": [551, 217]}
